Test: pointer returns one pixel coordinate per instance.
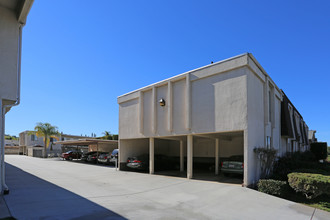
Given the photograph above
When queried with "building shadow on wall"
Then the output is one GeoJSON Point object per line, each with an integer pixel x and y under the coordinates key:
{"type": "Point", "coordinates": [33, 198]}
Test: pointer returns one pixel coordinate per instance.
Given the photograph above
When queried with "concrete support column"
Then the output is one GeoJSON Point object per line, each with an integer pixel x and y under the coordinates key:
{"type": "Point", "coordinates": [151, 155]}
{"type": "Point", "coordinates": [181, 157]}
{"type": "Point", "coordinates": [216, 156]}
{"type": "Point", "coordinates": [190, 154]}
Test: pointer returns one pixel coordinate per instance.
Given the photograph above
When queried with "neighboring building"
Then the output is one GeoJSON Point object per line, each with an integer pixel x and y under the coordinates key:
{"type": "Point", "coordinates": [222, 109]}
{"type": "Point", "coordinates": [13, 14]}
{"type": "Point", "coordinates": [294, 129]}
{"type": "Point", "coordinates": [311, 136]}
{"type": "Point", "coordinates": [32, 145]}
{"type": "Point", "coordinates": [11, 147]}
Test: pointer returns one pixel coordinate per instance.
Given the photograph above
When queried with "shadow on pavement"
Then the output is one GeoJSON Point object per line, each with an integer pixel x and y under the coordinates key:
{"type": "Point", "coordinates": [33, 198]}
{"type": "Point", "coordinates": [205, 175]}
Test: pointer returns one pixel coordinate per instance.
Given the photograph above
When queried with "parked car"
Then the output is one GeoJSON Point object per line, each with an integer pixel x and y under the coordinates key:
{"type": "Point", "coordinates": [104, 158]}
{"type": "Point", "coordinates": [85, 155]}
{"type": "Point", "coordinates": [114, 156]}
{"type": "Point", "coordinates": [70, 155]}
{"type": "Point", "coordinates": [108, 158]}
{"type": "Point", "coordinates": [139, 163]}
{"type": "Point", "coordinates": [92, 158]}
{"type": "Point", "coordinates": [162, 162]}
{"type": "Point", "coordinates": [233, 165]}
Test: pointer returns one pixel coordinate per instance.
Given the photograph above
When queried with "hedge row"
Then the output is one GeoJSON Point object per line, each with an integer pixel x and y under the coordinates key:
{"type": "Point", "coordinates": [292, 162]}
{"type": "Point", "coordinates": [310, 184]}
{"type": "Point", "coordinates": [273, 187]}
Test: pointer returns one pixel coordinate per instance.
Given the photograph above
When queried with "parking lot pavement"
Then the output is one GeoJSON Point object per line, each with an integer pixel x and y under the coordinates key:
{"type": "Point", "coordinates": [56, 189]}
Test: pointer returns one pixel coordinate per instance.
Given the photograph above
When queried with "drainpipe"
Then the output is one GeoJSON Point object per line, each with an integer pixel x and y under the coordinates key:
{"type": "Point", "coordinates": [4, 187]}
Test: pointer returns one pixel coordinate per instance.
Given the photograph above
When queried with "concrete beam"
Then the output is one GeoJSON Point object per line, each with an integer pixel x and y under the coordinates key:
{"type": "Point", "coordinates": [212, 136]}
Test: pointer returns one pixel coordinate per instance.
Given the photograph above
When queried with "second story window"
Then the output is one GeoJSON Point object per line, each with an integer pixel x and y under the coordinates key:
{"type": "Point", "coordinates": [34, 137]}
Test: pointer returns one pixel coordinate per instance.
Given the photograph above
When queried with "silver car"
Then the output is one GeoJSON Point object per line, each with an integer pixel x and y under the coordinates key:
{"type": "Point", "coordinates": [233, 165]}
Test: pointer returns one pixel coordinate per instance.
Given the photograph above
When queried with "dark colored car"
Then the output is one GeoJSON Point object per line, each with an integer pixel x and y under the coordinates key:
{"type": "Point", "coordinates": [162, 162]}
{"type": "Point", "coordinates": [233, 165]}
{"type": "Point", "coordinates": [70, 155]}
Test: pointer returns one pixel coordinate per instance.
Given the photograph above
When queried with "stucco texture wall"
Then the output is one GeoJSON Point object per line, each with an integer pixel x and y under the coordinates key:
{"type": "Point", "coordinates": [8, 54]}
{"type": "Point", "coordinates": [218, 104]}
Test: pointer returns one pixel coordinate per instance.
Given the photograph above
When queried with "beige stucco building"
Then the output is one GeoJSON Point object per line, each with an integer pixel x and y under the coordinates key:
{"type": "Point", "coordinates": [31, 145]}
{"type": "Point", "coordinates": [222, 109]}
{"type": "Point", "coordinates": [13, 14]}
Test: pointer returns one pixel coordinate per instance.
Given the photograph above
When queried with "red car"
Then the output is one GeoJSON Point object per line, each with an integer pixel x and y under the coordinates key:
{"type": "Point", "coordinates": [71, 155]}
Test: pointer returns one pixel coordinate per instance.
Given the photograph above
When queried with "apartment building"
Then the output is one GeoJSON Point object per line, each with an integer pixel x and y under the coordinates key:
{"type": "Point", "coordinates": [226, 108]}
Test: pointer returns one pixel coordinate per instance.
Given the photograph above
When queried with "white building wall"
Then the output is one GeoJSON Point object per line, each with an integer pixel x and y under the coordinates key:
{"type": "Point", "coordinates": [218, 103]}
{"type": "Point", "coordinates": [8, 54]}
{"type": "Point", "coordinates": [254, 135]}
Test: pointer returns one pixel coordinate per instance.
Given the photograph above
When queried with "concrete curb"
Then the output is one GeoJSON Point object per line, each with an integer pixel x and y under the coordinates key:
{"type": "Point", "coordinates": [4, 211]}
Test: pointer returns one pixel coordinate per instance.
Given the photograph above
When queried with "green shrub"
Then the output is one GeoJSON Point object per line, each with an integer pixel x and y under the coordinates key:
{"type": "Point", "coordinates": [292, 162]}
{"type": "Point", "coordinates": [115, 137]}
{"type": "Point", "coordinates": [319, 149]}
{"type": "Point", "coordinates": [272, 187]}
{"type": "Point", "coordinates": [311, 185]}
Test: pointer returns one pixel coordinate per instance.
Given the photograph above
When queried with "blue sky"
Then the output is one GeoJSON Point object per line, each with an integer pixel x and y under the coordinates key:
{"type": "Point", "coordinates": [78, 56]}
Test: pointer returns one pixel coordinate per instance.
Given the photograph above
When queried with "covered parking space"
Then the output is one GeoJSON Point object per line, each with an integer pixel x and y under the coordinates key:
{"type": "Point", "coordinates": [92, 144]}
{"type": "Point", "coordinates": [197, 156]}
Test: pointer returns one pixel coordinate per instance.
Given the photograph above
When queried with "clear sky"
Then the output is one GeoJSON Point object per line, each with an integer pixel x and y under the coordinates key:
{"type": "Point", "coordinates": [78, 56]}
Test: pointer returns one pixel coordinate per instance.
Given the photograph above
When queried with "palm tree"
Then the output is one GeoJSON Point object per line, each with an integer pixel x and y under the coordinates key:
{"type": "Point", "coordinates": [107, 135]}
{"type": "Point", "coordinates": [46, 131]}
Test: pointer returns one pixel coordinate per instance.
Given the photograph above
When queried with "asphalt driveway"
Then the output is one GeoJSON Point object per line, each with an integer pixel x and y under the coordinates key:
{"type": "Point", "coordinates": [56, 189]}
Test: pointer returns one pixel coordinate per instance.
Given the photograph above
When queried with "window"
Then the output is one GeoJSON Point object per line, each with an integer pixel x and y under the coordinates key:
{"type": "Point", "coordinates": [34, 137]}
{"type": "Point", "coordinates": [269, 142]}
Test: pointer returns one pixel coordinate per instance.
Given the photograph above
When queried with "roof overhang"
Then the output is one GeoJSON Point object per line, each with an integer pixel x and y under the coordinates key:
{"type": "Point", "coordinates": [83, 142]}
{"type": "Point", "coordinates": [20, 7]}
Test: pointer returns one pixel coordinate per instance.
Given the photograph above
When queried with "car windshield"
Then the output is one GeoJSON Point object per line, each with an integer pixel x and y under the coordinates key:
{"type": "Point", "coordinates": [69, 152]}
{"type": "Point", "coordinates": [114, 152]}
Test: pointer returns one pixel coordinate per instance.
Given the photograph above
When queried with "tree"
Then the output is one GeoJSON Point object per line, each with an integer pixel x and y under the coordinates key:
{"type": "Point", "coordinates": [46, 131]}
{"type": "Point", "coordinates": [107, 135]}
{"type": "Point", "coordinates": [267, 158]}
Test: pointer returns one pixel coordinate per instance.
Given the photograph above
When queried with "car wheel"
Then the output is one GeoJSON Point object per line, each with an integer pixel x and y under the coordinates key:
{"type": "Point", "coordinates": [70, 158]}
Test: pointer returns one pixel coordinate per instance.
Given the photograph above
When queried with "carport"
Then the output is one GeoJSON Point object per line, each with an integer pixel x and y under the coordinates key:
{"type": "Point", "coordinates": [93, 144]}
{"type": "Point", "coordinates": [205, 149]}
